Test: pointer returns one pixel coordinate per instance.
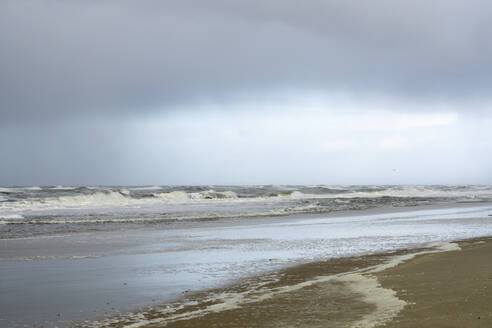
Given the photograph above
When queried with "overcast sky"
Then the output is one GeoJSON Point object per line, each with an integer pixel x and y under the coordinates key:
{"type": "Point", "coordinates": [245, 92]}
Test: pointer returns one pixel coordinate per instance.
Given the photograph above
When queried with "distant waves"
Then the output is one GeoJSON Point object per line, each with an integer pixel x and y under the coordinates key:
{"type": "Point", "coordinates": [33, 209]}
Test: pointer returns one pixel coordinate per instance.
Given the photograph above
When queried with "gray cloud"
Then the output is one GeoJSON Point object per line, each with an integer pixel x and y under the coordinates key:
{"type": "Point", "coordinates": [73, 58]}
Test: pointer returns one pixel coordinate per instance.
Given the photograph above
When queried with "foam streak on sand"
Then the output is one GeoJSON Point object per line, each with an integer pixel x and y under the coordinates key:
{"type": "Point", "coordinates": [387, 304]}
{"type": "Point", "coordinates": [385, 300]}
{"type": "Point", "coordinates": [361, 281]}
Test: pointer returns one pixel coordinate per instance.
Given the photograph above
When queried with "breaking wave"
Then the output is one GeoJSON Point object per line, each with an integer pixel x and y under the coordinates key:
{"type": "Point", "coordinates": [95, 205]}
{"type": "Point", "coordinates": [5, 190]}
{"type": "Point", "coordinates": [185, 196]}
{"type": "Point", "coordinates": [145, 188]}
{"type": "Point", "coordinates": [34, 188]}
{"type": "Point", "coordinates": [138, 196]}
{"type": "Point", "coordinates": [59, 187]}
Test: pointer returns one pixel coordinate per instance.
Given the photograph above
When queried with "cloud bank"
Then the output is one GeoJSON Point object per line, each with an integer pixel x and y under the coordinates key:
{"type": "Point", "coordinates": [71, 58]}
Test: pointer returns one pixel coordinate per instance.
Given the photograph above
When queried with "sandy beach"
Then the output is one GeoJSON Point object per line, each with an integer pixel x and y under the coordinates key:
{"type": "Point", "coordinates": [448, 287]}
{"type": "Point", "coordinates": [451, 289]}
{"type": "Point", "coordinates": [445, 284]}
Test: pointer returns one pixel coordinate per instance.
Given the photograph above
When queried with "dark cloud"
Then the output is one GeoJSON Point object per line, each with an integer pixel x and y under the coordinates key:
{"type": "Point", "coordinates": [66, 58]}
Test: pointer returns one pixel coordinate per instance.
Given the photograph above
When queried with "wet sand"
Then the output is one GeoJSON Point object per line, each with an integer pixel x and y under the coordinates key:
{"type": "Point", "coordinates": [295, 297]}
{"type": "Point", "coordinates": [445, 287]}
{"type": "Point", "coordinates": [452, 289]}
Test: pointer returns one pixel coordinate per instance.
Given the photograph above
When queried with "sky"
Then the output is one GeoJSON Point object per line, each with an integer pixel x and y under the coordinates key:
{"type": "Point", "coordinates": [126, 92]}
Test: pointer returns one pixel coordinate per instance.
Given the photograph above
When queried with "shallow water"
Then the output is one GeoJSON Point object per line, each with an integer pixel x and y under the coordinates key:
{"type": "Point", "coordinates": [88, 275]}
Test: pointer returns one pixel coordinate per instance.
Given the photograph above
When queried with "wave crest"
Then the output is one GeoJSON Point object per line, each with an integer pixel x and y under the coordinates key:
{"type": "Point", "coordinates": [182, 196]}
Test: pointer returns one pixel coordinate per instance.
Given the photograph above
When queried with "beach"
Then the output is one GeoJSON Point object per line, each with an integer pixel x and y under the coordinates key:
{"type": "Point", "coordinates": [451, 289]}
{"type": "Point", "coordinates": [308, 270]}
{"type": "Point", "coordinates": [445, 286]}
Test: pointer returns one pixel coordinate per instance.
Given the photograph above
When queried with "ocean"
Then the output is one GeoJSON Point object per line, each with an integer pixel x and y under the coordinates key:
{"type": "Point", "coordinates": [48, 210]}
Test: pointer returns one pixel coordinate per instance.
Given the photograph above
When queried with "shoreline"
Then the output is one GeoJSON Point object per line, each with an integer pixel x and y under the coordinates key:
{"type": "Point", "coordinates": [14, 249]}
{"type": "Point", "coordinates": [104, 274]}
{"type": "Point", "coordinates": [185, 222]}
{"type": "Point", "coordinates": [355, 292]}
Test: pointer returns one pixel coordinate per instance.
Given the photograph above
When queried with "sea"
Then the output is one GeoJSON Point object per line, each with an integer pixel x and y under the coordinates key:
{"type": "Point", "coordinates": [48, 210]}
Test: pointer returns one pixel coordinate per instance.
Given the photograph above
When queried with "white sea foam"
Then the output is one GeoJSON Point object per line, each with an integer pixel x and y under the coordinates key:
{"type": "Point", "coordinates": [397, 260]}
{"type": "Point", "coordinates": [98, 198]}
{"type": "Point", "coordinates": [145, 188]}
{"type": "Point", "coordinates": [155, 219]}
{"type": "Point", "coordinates": [9, 190]}
{"type": "Point", "coordinates": [181, 196]}
{"type": "Point", "coordinates": [33, 188]}
{"type": "Point", "coordinates": [409, 191]}
{"type": "Point", "coordinates": [19, 189]}
{"type": "Point", "coordinates": [176, 196]}
{"type": "Point", "coordinates": [297, 195]}
{"type": "Point", "coordinates": [385, 300]}
{"type": "Point", "coordinates": [51, 257]}
{"type": "Point", "coordinates": [11, 216]}
{"type": "Point", "coordinates": [40, 237]}
{"type": "Point", "coordinates": [120, 198]}
{"type": "Point", "coordinates": [123, 197]}
{"type": "Point", "coordinates": [404, 192]}
{"type": "Point", "coordinates": [388, 305]}
{"type": "Point", "coordinates": [59, 187]}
